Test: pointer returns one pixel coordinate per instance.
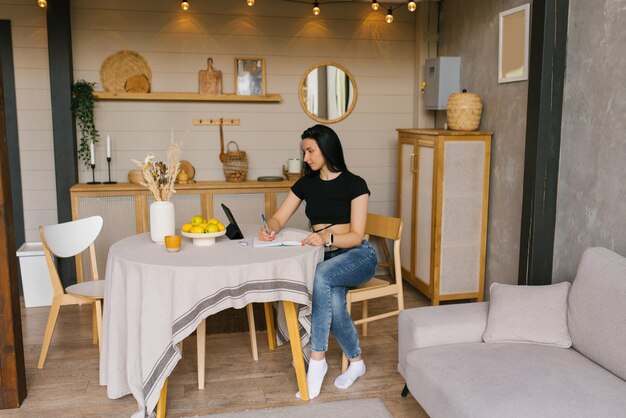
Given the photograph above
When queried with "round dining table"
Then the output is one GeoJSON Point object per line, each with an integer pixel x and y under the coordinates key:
{"type": "Point", "coordinates": [155, 298]}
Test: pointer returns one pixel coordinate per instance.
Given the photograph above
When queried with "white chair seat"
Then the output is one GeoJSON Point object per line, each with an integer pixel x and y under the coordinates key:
{"type": "Point", "coordinates": [93, 288]}
{"type": "Point", "coordinates": [66, 240]}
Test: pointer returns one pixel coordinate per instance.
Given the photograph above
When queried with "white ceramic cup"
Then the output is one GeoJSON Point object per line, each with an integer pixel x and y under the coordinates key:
{"type": "Point", "coordinates": [294, 165]}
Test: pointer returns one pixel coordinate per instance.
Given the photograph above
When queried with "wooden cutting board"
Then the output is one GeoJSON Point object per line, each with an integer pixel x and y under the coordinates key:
{"type": "Point", "coordinates": [210, 80]}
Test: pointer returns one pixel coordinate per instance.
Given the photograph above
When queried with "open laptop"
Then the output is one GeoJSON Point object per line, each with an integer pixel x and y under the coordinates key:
{"type": "Point", "coordinates": [232, 230]}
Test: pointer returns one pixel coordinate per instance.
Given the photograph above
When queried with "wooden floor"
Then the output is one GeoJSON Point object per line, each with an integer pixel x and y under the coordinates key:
{"type": "Point", "coordinates": [68, 385]}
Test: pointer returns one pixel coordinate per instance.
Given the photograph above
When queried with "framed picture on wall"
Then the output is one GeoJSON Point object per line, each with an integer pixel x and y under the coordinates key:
{"type": "Point", "coordinates": [250, 76]}
{"type": "Point", "coordinates": [513, 44]}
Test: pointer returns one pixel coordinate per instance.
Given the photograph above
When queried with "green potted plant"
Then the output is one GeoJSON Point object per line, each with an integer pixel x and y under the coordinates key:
{"type": "Point", "coordinates": [83, 101]}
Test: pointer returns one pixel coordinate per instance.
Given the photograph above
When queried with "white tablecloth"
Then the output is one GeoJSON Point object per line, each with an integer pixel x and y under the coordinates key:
{"type": "Point", "coordinates": [154, 299]}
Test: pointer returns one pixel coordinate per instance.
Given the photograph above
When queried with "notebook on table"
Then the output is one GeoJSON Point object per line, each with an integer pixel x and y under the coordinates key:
{"type": "Point", "coordinates": [283, 239]}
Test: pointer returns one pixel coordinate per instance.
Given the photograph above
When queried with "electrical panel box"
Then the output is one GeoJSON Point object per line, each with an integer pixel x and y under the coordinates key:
{"type": "Point", "coordinates": [442, 76]}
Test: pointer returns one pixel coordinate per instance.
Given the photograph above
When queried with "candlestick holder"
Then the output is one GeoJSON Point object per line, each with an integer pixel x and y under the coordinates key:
{"type": "Point", "coordinates": [93, 175]}
{"type": "Point", "coordinates": [109, 169]}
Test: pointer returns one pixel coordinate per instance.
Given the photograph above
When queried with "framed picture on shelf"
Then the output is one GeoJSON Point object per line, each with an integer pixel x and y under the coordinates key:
{"type": "Point", "coordinates": [250, 76]}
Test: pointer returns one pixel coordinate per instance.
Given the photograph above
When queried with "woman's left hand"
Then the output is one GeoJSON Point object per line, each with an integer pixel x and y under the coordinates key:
{"type": "Point", "coordinates": [314, 239]}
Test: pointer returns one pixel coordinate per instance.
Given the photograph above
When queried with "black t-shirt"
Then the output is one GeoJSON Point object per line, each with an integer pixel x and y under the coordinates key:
{"type": "Point", "coordinates": [328, 201]}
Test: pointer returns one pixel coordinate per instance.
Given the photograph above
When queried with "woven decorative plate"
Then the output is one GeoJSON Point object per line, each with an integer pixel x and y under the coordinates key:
{"type": "Point", "coordinates": [121, 66]}
{"type": "Point", "coordinates": [135, 176]}
{"type": "Point", "coordinates": [189, 169]}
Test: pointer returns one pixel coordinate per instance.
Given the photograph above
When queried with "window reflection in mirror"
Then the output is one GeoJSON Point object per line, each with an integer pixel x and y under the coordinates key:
{"type": "Point", "coordinates": [328, 92]}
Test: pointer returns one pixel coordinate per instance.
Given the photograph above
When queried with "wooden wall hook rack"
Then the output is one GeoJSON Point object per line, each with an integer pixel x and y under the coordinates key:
{"type": "Point", "coordinates": [219, 122]}
{"type": "Point", "coordinates": [216, 121]}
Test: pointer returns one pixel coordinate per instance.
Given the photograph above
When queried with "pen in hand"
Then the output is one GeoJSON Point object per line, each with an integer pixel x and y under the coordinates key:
{"type": "Point", "coordinates": [267, 229]}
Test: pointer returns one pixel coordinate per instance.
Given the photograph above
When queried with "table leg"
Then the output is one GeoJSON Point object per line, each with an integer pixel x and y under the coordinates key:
{"type": "Point", "coordinates": [201, 347]}
{"type": "Point", "coordinates": [94, 327]}
{"type": "Point", "coordinates": [252, 329]}
{"type": "Point", "coordinates": [296, 348]}
{"type": "Point", "coordinates": [269, 323]}
{"type": "Point", "coordinates": [161, 405]}
{"type": "Point", "coordinates": [97, 309]}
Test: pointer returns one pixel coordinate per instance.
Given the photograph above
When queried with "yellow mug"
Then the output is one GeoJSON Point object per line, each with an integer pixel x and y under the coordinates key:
{"type": "Point", "coordinates": [172, 243]}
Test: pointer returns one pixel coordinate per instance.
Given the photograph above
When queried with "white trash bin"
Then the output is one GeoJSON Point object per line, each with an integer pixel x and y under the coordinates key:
{"type": "Point", "coordinates": [35, 277]}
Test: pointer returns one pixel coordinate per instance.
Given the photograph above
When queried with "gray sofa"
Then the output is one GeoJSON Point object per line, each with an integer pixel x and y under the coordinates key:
{"type": "Point", "coordinates": [452, 372]}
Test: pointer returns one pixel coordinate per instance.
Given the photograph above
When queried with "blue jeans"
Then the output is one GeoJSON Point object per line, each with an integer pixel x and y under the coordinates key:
{"type": "Point", "coordinates": [340, 271]}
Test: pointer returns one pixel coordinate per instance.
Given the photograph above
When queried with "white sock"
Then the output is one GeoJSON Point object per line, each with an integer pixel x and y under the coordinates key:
{"type": "Point", "coordinates": [356, 370]}
{"type": "Point", "coordinates": [315, 377]}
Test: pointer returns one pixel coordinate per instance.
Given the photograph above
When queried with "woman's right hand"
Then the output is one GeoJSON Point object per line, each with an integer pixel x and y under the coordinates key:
{"type": "Point", "coordinates": [279, 218]}
{"type": "Point", "coordinates": [265, 236]}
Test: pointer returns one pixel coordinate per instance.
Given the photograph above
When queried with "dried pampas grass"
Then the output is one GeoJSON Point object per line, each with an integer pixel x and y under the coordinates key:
{"type": "Point", "coordinates": [159, 176]}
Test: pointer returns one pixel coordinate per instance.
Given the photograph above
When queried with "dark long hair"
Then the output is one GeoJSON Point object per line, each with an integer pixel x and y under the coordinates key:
{"type": "Point", "coordinates": [330, 146]}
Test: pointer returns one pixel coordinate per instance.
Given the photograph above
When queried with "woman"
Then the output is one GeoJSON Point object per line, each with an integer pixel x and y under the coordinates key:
{"type": "Point", "coordinates": [336, 205]}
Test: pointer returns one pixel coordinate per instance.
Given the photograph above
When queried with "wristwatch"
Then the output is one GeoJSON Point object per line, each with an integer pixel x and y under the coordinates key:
{"type": "Point", "coordinates": [330, 240]}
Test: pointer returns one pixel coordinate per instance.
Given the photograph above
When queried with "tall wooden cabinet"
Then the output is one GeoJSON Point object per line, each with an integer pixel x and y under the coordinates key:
{"type": "Point", "coordinates": [443, 195]}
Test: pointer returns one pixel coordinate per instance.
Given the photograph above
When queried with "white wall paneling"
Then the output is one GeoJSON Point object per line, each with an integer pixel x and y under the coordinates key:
{"type": "Point", "coordinates": [176, 45]}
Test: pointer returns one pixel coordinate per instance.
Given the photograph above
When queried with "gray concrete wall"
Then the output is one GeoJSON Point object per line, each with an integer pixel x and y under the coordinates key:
{"type": "Point", "coordinates": [591, 206]}
{"type": "Point", "coordinates": [469, 29]}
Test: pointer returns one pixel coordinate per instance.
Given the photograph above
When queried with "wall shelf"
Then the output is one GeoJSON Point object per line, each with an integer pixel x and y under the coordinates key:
{"type": "Point", "coordinates": [185, 97]}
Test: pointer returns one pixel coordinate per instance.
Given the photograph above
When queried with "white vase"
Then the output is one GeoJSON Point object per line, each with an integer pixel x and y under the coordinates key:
{"type": "Point", "coordinates": [162, 221]}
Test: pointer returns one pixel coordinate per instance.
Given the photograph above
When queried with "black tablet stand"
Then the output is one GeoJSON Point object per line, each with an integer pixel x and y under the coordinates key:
{"type": "Point", "coordinates": [232, 230]}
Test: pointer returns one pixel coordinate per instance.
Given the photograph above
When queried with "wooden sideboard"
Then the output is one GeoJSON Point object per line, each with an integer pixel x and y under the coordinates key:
{"type": "Point", "coordinates": [125, 208]}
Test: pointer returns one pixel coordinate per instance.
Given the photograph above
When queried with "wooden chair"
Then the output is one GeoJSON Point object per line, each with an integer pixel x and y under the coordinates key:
{"type": "Point", "coordinates": [63, 241]}
{"type": "Point", "coordinates": [201, 343]}
{"type": "Point", "coordinates": [386, 228]}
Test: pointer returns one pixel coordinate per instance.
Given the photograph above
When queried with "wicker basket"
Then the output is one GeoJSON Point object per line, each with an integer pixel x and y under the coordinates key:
{"type": "Point", "coordinates": [464, 111]}
{"type": "Point", "coordinates": [235, 164]}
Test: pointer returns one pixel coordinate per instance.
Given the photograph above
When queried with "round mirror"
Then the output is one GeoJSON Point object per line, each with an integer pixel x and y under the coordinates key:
{"type": "Point", "coordinates": [328, 92]}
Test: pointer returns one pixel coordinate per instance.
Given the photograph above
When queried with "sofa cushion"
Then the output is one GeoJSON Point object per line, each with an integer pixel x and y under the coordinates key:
{"type": "Point", "coordinates": [512, 380]}
{"type": "Point", "coordinates": [528, 314]}
{"type": "Point", "coordinates": [597, 309]}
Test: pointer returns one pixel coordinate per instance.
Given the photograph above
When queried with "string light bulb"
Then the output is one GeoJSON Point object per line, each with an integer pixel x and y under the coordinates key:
{"type": "Point", "coordinates": [250, 3]}
{"type": "Point", "coordinates": [389, 17]}
{"type": "Point", "coordinates": [316, 8]}
{"type": "Point", "coordinates": [184, 5]}
{"type": "Point", "coordinates": [375, 5]}
{"type": "Point", "coordinates": [411, 6]}
{"type": "Point", "coordinates": [42, 3]}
